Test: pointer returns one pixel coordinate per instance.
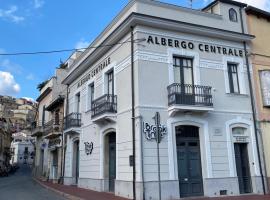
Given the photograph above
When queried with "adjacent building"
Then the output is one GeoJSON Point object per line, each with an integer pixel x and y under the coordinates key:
{"type": "Point", "coordinates": [259, 25]}
{"type": "Point", "coordinates": [188, 65]}
{"type": "Point", "coordinates": [16, 114]}
{"type": "Point", "coordinates": [49, 126]}
{"type": "Point", "coordinates": [22, 148]}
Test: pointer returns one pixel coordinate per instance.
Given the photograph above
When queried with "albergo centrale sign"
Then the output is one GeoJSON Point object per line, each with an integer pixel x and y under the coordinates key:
{"type": "Point", "coordinates": [190, 45]}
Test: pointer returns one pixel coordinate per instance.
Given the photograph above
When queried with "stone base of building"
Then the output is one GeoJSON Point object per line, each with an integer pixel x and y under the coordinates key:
{"type": "Point", "coordinates": [69, 181]}
{"type": "Point", "coordinates": [213, 187]}
{"type": "Point", "coordinates": [92, 184]}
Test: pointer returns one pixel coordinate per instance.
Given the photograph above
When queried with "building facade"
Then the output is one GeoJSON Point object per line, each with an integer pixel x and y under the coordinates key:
{"type": "Point", "coordinates": [190, 67]}
{"type": "Point", "coordinates": [22, 148]}
{"type": "Point", "coordinates": [49, 126]}
{"type": "Point", "coordinates": [258, 25]}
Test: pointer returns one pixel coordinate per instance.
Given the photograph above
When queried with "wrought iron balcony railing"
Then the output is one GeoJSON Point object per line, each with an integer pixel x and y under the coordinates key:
{"type": "Point", "coordinates": [104, 104]}
{"type": "Point", "coordinates": [192, 95]}
{"type": "Point", "coordinates": [52, 126]}
{"type": "Point", "coordinates": [72, 120]}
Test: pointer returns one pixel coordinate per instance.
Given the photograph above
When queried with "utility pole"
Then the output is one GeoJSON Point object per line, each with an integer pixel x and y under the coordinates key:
{"type": "Point", "coordinates": [158, 139]}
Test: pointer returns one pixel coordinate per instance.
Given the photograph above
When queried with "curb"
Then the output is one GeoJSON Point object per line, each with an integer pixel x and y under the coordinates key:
{"type": "Point", "coordinates": [68, 196]}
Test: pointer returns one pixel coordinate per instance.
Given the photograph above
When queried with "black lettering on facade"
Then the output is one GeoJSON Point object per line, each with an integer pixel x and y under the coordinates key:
{"type": "Point", "coordinates": [170, 42]}
{"type": "Point", "coordinates": [176, 43]}
{"type": "Point", "coordinates": [190, 45]}
{"type": "Point", "coordinates": [163, 41]}
{"type": "Point", "coordinates": [184, 45]}
{"type": "Point", "coordinates": [219, 50]}
{"type": "Point", "coordinates": [200, 47]}
{"type": "Point", "coordinates": [156, 41]}
{"type": "Point", "coordinates": [224, 50]}
{"type": "Point", "coordinates": [230, 52]}
{"type": "Point", "coordinates": [206, 48]}
{"type": "Point", "coordinates": [150, 39]}
{"type": "Point", "coordinates": [213, 49]}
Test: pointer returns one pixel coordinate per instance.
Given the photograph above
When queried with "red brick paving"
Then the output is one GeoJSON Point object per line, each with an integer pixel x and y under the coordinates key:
{"type": "Point", "coordinates": [93, 195]}
{"type": "Point", "coordinates": [242, 197]}
{"type": "Point", "coordinates": [80, 192]}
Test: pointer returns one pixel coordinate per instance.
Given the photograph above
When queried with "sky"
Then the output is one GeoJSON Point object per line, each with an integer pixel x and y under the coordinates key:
{"type": "Point", "coordinates": [44, 25]}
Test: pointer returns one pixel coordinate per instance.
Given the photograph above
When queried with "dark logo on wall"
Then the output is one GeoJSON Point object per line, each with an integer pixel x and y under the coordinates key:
{"type": "Point", "coordinates": [150, 131]}
{"type": "Point", "coordinates": [88, 147]}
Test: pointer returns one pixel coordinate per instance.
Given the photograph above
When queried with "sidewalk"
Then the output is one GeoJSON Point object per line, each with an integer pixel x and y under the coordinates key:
{"type": "Point", "coordinates": [75, 193]}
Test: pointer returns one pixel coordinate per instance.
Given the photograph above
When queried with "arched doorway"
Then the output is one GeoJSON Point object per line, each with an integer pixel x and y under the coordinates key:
{"type": "Point", "coordinates": [242, 161]}
{"type": "Point", "coordinates": [189, 161]}
{"type": "Point", "coordinates": [76, 158]}
{"type": "Point", "coordinates": [110, 159]}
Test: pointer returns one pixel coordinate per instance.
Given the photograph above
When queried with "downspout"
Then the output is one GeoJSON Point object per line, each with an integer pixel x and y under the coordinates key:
{"type": "Point", "coordinates": [142, 158]}
{"type": "Point", "coordinates": [252, 103]}
{"type": "Point", "coordinates": [63, 138]}
{"type": "Point", "coordinates": [133, 114]}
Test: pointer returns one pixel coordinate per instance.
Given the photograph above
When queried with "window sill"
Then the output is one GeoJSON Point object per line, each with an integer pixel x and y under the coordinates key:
{"type": "Point", "coordinates": [237, 95]}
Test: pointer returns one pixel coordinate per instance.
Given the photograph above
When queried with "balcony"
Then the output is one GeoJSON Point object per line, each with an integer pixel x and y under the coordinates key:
{"type": "Point", "coordinates": [52, 128]}
{"type": "Point", "coordinates": [72, 120]}
{"type": "Point", "coordinates": [185, 97]}
{"type": "Point", "coordinates": [104, 108]}
{"type": "Point", "coordinates": [37, 129]}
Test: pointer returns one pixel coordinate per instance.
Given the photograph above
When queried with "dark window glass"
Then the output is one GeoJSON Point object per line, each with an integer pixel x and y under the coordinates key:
{"type": "Point", "coordinates": [78, 98]}
{"type": "Point", "coordinates": [91, 92]}
{"type": "Point", "coordinates": [233, 15]}
{"type": "Point", "coordinates": [233, 78]}
{"type": "Point", "coordinates": [183, 72]}
{"type": "Point", "coordinates": [110, 83]}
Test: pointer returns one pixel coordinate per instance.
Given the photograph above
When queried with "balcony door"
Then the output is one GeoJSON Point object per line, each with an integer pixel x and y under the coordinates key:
{"type": "Point", "coordinates": [110, 83]}
{"type": "Point", "coordinates": [184, 80]}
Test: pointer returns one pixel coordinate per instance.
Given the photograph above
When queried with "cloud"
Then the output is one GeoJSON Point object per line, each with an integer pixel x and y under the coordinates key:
{"type": "Point", "coordinates": [30, 77]}
{"type": "Point", "coordinates": [10, 14]}
{"type": "Point", "coordinates": [10, 66]}
{"type": "Point", "coordinates": [8, 85]}
{"type": "Point", "coordinates": [81, 44]}
{"type": "Point", "coordinates": [38, 3]}
{"type": "Point", "coordinates": [29, 99]}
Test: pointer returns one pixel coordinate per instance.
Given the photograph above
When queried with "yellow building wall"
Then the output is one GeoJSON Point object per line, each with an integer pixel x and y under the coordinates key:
{"type": "Point", "coordinates": [260, 49]}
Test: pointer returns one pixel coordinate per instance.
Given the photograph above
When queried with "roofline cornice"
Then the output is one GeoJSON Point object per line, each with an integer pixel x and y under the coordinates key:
{"type": "Point", "coordinates": [141, 19]}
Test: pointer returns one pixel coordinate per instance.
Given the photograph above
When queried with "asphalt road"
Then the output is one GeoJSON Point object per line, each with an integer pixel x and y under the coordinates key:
{"type": "Point", "coordinates": [20, 186]}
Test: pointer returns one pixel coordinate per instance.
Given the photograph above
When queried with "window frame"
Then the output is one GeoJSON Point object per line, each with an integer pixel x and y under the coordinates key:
{"type": "Point", "coordinates": [232, 13]}
{"type": "Point", "coordinates": [182, 76]}
{"type": "Point", "coordinates": [110, 78]}
{"type": "Point", "coordinates": [230, 77]}
{"type": "Point", "coordinates": [90, 96]}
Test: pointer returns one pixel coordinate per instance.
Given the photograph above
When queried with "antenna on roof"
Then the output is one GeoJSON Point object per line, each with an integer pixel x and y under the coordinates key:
{"type": "Point", "coordinates": [190, 3]}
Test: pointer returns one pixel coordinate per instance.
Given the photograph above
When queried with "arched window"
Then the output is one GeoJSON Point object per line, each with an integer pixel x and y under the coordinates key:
{"type": "Point", "coordinates": [232, 15]}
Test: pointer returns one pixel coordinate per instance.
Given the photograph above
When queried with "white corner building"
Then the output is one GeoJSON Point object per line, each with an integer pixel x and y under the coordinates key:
{"type": "Point", "coordinates": [188, 65]}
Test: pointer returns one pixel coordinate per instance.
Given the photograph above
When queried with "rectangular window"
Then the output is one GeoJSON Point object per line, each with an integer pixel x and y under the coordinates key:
{"type": "Point", "coordinates": [91, 91]}
{"type": "Point", "coordinates": [78, 99]}
{"type": "Point", "coordinates": [233, 78]}
{"type": "Point", "coordinates": [183, 70]}
{"type": "Point", "coordinates": [110, 85]}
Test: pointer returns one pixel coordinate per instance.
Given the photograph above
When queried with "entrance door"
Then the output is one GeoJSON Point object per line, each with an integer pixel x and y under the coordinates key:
{"type": "Point", "coordinates": [242, 167]}
{"type": "Point", "coordinates": [112, 161]}
{"type": "Point", "coordinates": [189, 161]}
{"type": "Point", "coordinates": [77, 158]}
{"type": "Point", "coordinates": [55, 164]}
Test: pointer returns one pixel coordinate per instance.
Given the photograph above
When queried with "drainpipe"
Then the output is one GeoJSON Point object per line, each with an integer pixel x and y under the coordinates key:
{"type": "Point", "coordinates": [63, 138]}
{"type": "Point", "coordinates": [252, 103]}
{"type": "Point", "coordinates": [142, 158]}
{"type": "Point", "coordinates": [133, 114]}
